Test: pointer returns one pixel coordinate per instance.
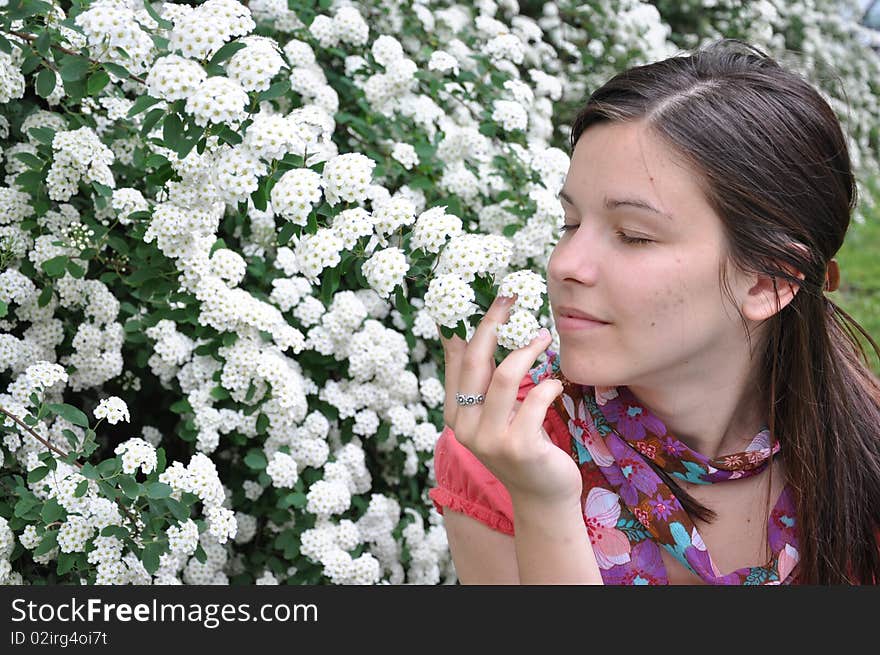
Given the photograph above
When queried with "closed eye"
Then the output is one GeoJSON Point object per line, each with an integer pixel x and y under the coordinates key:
{"type": "Point", "coordinates": [623, 237]}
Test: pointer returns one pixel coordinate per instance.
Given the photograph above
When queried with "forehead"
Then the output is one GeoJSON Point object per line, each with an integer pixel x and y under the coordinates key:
{"type": "Point", "coordinates": [628, 159]}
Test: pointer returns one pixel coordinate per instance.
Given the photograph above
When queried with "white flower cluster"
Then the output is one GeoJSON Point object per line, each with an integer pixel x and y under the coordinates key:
{"type": "Point", "coordinates": [347, 177]}
{"type": "Point", "coordinates": [433, 228]}
{"type": "Point", "coordinates": [173, 77]}
{"type": "Point", "coordinates": [11, 79]}
{"type": "Point", "coordinates": [385, 270]}
{"type": "Point", "coordinates": [45, 375]}
{"type": "Point", "coordinates": [217, 100]}
{"type": "Point", "coordinates": [137, 454]}
{"type": "Point", "coordinates": [347, 25]}
{"type": "Point", "coordinates": [444, 62]}
{"type": "Point", "coordinates": [199, 33]}
{"type": "Point", "coordinates": [79, 155]}
{"type": "Point", "coordinates": [283, 470]}
{"type": "Point", "coordinates": [113, 409]}
{"type": "Point", "coordinates": [183, 538]}
{"type": "Point", "coordinates": [405, 154]}
{"type": "Point", "coordinates": [469, 255]}
{"type": "Point", "coordinates": [295, 194]}
{"type": "Point", "coordinates": [328, 544]}
{"type": "Point", "coordinates": [254, 66]}
{"type": "Point", "coordinates": [110, 25]}
{"type": "Point", "coordinates": [510, 115]}
{"type": "Point", "coordinates": [449, 299]}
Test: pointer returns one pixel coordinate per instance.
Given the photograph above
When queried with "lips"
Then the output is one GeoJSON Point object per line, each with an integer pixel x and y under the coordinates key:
{"type": "Point", "coordinates": [571, 312]}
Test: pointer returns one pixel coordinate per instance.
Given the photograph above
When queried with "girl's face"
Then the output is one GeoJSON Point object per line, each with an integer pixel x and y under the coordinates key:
{"type": "Point", "coordinates": [667, 317]}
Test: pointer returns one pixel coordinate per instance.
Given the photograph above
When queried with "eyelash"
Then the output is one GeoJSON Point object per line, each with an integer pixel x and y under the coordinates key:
{"type": "Point", "coordinates": [623, 237]}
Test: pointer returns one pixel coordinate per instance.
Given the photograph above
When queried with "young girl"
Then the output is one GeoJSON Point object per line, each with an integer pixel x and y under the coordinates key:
{"type": "Point", "coordinates": [709, 417]}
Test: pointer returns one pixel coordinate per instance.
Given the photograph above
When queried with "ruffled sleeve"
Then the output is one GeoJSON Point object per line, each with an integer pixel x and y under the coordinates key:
{"type": "Point", "coordinates": [465, 485]}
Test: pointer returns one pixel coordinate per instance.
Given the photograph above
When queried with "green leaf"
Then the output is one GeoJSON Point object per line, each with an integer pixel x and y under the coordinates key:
{"type": "Point", "coordinates": [275, 91]}
{"type": "Point", "coordinates": [163, 23]}
{"type": "Point", "coordinates": [75, 269]}
{"type": "Point", "coordinates": [296, 499]}
{"type": "Point", "coordinates": [89, 471]}
{"type": "Point", "coordinates": [97, 81]}
{"type": "Point", "coordinates": [50, 540]}
{"type": "Point", "coordinates": [119, 71]}
{"type": "Point", "coordinates": [25, 504]}
{"type": "Point", "coordinates": [45, 296]}
{"type": "Point", "coordinates": [109, 467]}
{"type": "Point", "coordinates": [200, 554]}
{"type": "Point", "coordinates": [37, 474]}
{"type": "Point", "coordinates": [226, 52]}
{"type": "Point", "coordinates": [172, 130]}
{"type": "Point", "coordinates": [142, 104]}
{"type": "Point", "coordinates": [73, 68]}
{"type": "Point", "coordinates": [117, 531]}
{"type": "Point", "coordinates": [219, 393]}
{"type": "Point", "coordinates": [262, 423]}
{"type": "Point", "coordinates": [181, 406]}
{"type": "Point", "coordinates": [45, 82]}
{"type": "Point", "coordinates": [4, 309]}
{"type": "Point", "coordinates": [44, 135]}
{"type": "Point", "coordinates": [129, 486]}
{"type": "Point", "coordinates": [66, 562]}
{"type": "Point", "coordinates": [152, 117]}
{"type": "Point", "coordinates": [52, 511]}
{"type": "Point", "coordinates": [31, 160]}
{"type": "Point", "coordinates": [30, 179]}
{"type": "Point", "coordinates": [256, 459]}
{"type": "Point", "coordinates": [56, 266]}
{"type": "Point", "coordinates": [70, 413]}
{"type": "Point", "coordinates": [158, 490]}
{"type": "Point", "coordinates": [150, 557]}
{"type": "Point", "coordinates": [81, 489]}
{"type": "Point", "coordinates": [177, 508]}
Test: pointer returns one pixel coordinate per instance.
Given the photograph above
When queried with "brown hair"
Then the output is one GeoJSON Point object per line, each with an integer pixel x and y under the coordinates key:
{"type": "Point", "coordinates": [772, 160]}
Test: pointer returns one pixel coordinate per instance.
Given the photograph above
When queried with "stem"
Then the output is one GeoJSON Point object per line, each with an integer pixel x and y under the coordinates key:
{"type": "Point", "coordinates": [63, 454]}
{"type": "Point", "coordinates": [31, 38]}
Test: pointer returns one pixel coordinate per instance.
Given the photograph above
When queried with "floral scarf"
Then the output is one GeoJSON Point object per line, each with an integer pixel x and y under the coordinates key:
{"type": "Point", "coordinates": [631, 513]}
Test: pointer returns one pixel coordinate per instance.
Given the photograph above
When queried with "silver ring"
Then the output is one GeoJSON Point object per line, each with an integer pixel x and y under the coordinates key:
{"type": "Point", "coordinates": [470, 399]}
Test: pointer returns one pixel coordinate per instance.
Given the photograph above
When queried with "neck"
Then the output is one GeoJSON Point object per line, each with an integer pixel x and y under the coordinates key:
{"type": "Point", "coordinates": [715, 414]}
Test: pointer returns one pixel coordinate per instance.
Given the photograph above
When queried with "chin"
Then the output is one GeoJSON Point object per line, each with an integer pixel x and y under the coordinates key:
{"type": "Point", "coordinates": [585, 375]}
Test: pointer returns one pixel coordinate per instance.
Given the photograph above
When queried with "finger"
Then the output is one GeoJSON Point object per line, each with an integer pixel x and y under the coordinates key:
{"type": "Point", "coordinates": [453, 352]}
{"type": "Point", "coordinates": [478, 362]}
{"type": "Point", "coordinates": [505, 383]}
{"type": "Point", "coordinates": [527, 423]}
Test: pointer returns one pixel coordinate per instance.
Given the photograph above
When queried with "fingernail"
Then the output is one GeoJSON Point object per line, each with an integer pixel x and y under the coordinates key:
{"type": "Point", "coordinates": [505, 300]}
{"type": "Point", "coordinates": [543, 333]}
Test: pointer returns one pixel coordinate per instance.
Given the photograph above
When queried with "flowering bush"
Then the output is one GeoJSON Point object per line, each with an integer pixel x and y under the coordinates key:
{"type": "Point", "coordinates": [229, 233]}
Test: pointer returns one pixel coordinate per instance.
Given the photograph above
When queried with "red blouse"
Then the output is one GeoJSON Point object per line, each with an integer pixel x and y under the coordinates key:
{"type": "Point", "coordinates": [465, 485]}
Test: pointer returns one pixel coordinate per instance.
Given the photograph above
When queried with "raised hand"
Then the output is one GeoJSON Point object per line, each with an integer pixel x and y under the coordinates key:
{"type": "Point", "coordinates": [506, 436]}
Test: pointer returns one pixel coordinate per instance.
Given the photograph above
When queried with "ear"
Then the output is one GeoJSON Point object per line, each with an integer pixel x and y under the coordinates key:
{"type": "Point", "coordinates": [759, 302]}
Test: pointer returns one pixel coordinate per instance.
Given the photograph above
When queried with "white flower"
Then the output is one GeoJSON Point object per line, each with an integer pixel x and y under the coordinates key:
{"type": "Point", "coordinates": [347, 177]}
{"type": "Point", "coordinates": [295, 194]}
{"type": "Point", "coordinates": [528, 287]}
{"type": "Point", "coordinates": [449, 299]}
{"type": "Point", "coordinates": [385, 269]}
{"type": "Point", "coordinates": [510, 115]}
{"type": "Point", "coordinates": [45, 374]}
{"type": "Point", "coordinates": [518, 331]}
{"type": "Point", "coordinates": [432, 229]}
{"type": "Point", "coordinates": [113, 409]}
{"type": "Point", "coordinates": [442, 61]}
{"type": "Point", "coordinates": [405, 154]}
{"type": "Point", "coordinates": [282, 469]}
{"type": "Point", "coordinates": [137, 453]}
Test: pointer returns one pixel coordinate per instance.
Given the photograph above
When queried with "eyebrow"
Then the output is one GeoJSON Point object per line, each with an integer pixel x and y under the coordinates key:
{"type": "Point", "coordinates": [615, 203]}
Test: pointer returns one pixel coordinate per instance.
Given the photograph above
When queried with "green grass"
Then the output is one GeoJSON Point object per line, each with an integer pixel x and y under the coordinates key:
{"type": "Point", "coordinates": [859, 292]}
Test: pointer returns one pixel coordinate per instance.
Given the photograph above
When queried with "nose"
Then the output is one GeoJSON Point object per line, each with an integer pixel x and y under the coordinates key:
{"type": "Point", "coordinates": [576, 257]}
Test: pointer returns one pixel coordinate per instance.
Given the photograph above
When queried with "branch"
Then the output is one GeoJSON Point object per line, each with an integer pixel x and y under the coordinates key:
{"type": "Point", "coordinates": [63, 455]}
{"type": "Point", "coordinates": [31, 38]}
